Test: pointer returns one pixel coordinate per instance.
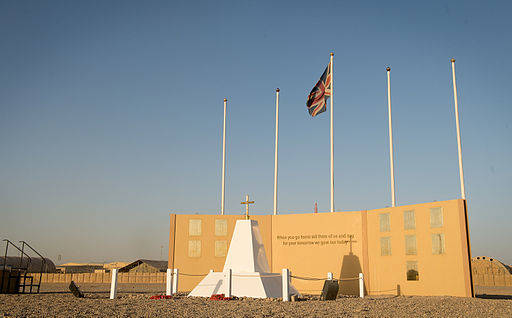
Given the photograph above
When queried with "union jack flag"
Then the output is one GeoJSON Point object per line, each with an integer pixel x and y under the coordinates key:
{"type": "Point", "coordinates": [317, 98]}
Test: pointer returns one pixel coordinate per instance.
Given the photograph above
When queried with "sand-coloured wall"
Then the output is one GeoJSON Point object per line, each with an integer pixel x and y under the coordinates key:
{"type": "Point", "coordinates": [422, 248]}
{"type": "Point", "coordinates": [311, 245]}
{"type": "Point", "coordinates": [446, 273]}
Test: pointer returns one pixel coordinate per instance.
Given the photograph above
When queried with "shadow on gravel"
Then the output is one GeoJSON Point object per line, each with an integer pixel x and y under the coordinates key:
{"type": "Point", "coordinates": [485, 296]}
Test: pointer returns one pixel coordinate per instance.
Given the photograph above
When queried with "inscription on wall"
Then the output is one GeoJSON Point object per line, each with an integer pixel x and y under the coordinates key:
{"type": "Point", "coordinates": [316, 239]}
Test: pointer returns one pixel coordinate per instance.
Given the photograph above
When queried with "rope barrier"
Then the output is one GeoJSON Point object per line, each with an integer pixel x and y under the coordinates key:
{"type": "Point", "coordinates": [195, 275]}
{"type": "Point", "coordinates": [315, 278]}
{"type": "Point", "coordinates": [381, 291]}
{"type": "Point", "coordinates": [307, 278]}
{"type": "Point", "coordinates": [275, 275]}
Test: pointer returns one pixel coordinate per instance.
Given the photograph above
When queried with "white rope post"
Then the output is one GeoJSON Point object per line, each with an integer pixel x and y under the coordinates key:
{"type": "Point", "coordinates": [113, 285]}
{"type": "Point", "coordinates": [175, 277]}
{"type": "Point", "coordinates": [228, 280]}
{"type": "Point", "coordinates": [285, 277]}
{"type": "Point", "coordinates": [361, 285]}
{"type": "Point", "coordinates": [329, 276]}
{"type": "Point", "coordinates": [168, 282]}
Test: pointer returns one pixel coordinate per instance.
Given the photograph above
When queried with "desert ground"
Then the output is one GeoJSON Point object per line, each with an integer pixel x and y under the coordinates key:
{"type": "Point", "coordinates": [55, 300]}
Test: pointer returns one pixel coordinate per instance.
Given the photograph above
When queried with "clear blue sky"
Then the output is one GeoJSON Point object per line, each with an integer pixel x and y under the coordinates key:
{"type": "Point", "coordinates": [111, 114]}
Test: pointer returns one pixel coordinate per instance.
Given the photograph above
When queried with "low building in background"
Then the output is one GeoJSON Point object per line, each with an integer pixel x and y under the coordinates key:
{"type": "Point", "coordinates": [112, 265]}
{"type": "Point", "coordinates": [75, 268]}
{"type": "Point", "coordinates": [72, 268]}
{"type": "Point", "coordinates": [488, 271]}
{"type": "Point", "coordinates": [145, 266]}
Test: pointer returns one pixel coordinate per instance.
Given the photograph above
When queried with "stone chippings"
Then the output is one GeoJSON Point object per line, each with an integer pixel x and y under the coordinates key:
{"type": "Point", "coordinates": [133, 301]}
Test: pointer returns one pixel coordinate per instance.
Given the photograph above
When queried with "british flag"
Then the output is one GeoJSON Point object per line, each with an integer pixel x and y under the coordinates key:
{"type": "Point", "coordinates": [318, 96]}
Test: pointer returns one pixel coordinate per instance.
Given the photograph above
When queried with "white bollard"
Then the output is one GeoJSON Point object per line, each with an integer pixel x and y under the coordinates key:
{"type": "Point", "coordinates": [361, 285]}
{"type": "Point", "coordinates": [175, 278]}
{"type": "Point", "coordinates": [228, 281]}
{"type": "Point", "coordinates": [285, 277]}
{"type": "Point", "coordinates": [329, 276]}
{"type": "Point", "coordinates": [168, 282]}
{"type": "Point", "coordinates": [113, 285]}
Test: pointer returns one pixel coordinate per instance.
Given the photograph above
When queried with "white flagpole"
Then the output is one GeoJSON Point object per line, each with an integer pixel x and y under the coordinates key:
{"type": "Point", "coordinates": [223, 160]}
{"type": "Point", "coordinates": [461, 172]}
{"type": "Point", "coordinates": [391, 160]}
{"type": "Point", "coordinates": [332, 134]}
{"type": "Point", "coordinates": [275, 156]}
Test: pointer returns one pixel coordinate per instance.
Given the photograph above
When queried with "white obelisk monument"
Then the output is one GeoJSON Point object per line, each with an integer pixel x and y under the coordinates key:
{"type": "Point", "coordinates": [246, 263]}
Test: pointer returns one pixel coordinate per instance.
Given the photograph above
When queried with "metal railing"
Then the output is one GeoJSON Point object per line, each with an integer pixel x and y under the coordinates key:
{"type": "Point", "coordinates": [21, 268]}
{"type": "Point", "coordinates": [43, 266]}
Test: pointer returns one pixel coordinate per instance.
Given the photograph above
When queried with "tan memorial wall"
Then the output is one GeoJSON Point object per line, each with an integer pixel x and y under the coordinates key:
{"type": "Point", "coordinates": [440, 253]}
{"type": "Point", "coordinates": [311, 245]}
{"type": "Point", "coordinates": [418, 249]}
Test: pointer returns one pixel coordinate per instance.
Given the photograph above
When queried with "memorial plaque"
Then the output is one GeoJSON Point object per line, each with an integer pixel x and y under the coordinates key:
{"type": "Point", "coordinates": [436, 217]}
{"type": "Point", "coordinates": [437, 243]}
{"type": "Point", "coordinates": [385, 246]}
{"type": "Point", "coordinates": [409, 220]}
{"type": "Point", "coordinates": [410, 245]}
{"type": "Point", "coordinates": [221, 248]}
{"type": "Point", "coordinates": [194, 227]}
{"type": "Point", "coordinates": [194, 248]}
{"type": "Point", "coordinates": [221, 227]}
{"type": "Point", "coordinates": [384, 222]}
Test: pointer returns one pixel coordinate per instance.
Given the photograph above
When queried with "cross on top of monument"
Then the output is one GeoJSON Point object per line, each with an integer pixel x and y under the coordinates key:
{"type": "Point", "coordinates": [350, 242]}
{"type": "Point", "coordinates": [247, 202]}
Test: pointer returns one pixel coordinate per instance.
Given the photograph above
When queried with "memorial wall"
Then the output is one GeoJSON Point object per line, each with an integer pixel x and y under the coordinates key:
{"type": "Point", "coordinates": [417, 249]}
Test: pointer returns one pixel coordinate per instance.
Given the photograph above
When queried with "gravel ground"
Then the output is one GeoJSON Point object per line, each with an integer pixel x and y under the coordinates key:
{"type": "Point", "coordinates": [133, 301]}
